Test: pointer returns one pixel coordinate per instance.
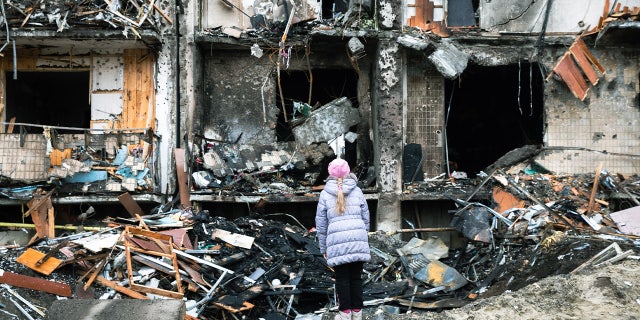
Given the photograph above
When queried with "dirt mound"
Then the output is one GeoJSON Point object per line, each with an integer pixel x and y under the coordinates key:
{"type": "Point", "coordinates": [612, 292]}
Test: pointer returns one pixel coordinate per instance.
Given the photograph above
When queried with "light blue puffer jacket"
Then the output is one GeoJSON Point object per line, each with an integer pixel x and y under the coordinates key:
{"type": "Point", "coordinates": [344, 238]}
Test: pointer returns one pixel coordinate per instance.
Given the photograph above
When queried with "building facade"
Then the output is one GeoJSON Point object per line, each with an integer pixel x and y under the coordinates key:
{"type": "Point", "coordinates": [237, 106]}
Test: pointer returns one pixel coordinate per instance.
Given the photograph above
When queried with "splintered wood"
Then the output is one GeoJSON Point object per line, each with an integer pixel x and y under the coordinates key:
{"type": "Point", "coordinates": [33, 283]}
{"type": "Point", "coordinates": [42, 214]}
{"type": "Point", "coordinates": [31, 257]}
{"type": "Point", "coordinates": [131, 247]}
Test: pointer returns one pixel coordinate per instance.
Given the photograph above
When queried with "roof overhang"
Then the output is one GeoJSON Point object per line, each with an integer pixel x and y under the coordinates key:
{"type": "Point", "coordinates": [619, 34]}
{"type": "Point", "coordinates": [89, 38]}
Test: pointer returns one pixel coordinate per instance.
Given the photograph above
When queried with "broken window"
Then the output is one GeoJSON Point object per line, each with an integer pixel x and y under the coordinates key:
{"type": "Point", "coordinates": [490, 111]}
{"type": "Point", "coordinates": [49, 98]}
{"type": "Point", "coordinates": [327, 85]}
{"type": "Point", "coordinates": [462, 13]}
{"type": "Point", "coordinates": [425, 14]}
{"type": "Point", "coordinates": [333, 8]}
{"type": "Point", "coordinates": [438, 15]}
{"type": "Point", "coordinates": [67, 113]}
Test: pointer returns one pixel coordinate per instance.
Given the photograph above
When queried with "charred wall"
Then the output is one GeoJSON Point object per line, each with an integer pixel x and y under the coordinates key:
{"type": "Point", "coordinates": [233, 109]}
{"type": "Point", "coordinates": [387, 97]}
{"type": "Point", "coordinates": [242, 99]}
{"type": "Point", "coordinates": [605, 127]}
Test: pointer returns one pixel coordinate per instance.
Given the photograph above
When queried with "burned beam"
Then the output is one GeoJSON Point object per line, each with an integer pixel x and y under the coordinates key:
{"type": "Point", "coordinates": [18, 280]}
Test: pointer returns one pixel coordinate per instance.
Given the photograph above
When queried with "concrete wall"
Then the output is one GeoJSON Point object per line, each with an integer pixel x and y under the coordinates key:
{"type": "Point", "coordinates": [240, 91]}
{"type": "Point", "coordinates": [216, 13]}
{"type": "Point", "coordinates": [521, 16]}
{"type": "Point", "coordinates": [608, 121]}
{"type": "Point", "coordinates": [233, 105]}
{"type": "Point", "coordinates": [166, 97]}
{"type": "Point", "coordinates": [106, 92]}
{"type": "Point", "coordinates": [388, 101]}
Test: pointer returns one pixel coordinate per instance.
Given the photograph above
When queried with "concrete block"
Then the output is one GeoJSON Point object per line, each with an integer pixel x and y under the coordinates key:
{"type": "Point", "coordinates": [129, 184]}
{"type": "Point", "coordinates": [114, 186]}
{"type": "Point", "coordinates": [80, 309]}
{"type": "Point", "coordinates": [328, 122]}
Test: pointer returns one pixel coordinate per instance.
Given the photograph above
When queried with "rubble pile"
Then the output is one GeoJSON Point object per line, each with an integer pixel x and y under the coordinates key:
{"type": "Point", "coordinates": [127, 15]}
{"type": "Point", "coordinates": [242, 170]}
{"type": "Point", "coordinates": [269, 265]}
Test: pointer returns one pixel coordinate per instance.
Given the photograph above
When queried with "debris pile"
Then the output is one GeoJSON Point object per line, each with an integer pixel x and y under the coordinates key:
{"type": "Point", "coordinates": [248, 169]}
{"type": "Point", "coordinates": [269, 19]}
{"type": "Point", "coordinates": [227, 168]}
{"type": "Point", "coordinates": [536, 225]}
{"type": "Point", "coordinates": [127, 15]}
{"type": "Point", "coordinates": [80, 164]}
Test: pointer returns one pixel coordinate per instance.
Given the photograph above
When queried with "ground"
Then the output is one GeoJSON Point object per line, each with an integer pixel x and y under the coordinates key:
{"type": "Point", "coordinates": [539, 282]}
{"type": "Point", "coordinates": [612, 292]}
{"type": "Point", "coordinates": [519, 280]}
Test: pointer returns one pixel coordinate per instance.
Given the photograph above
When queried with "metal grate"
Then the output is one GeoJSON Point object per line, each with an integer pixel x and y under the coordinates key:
{"type": "Point", "coordinates": [22, 157]}
{"type": "Point", "coordinates": [425, 115]}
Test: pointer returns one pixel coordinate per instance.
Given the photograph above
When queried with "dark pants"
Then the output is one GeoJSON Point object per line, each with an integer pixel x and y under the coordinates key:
{"type": "Point", "coordinates": [349, 285]}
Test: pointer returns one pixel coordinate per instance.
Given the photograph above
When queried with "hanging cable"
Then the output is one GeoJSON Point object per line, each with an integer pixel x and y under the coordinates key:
{"type": "Point", "coordinates": [519, 85]}
{"type": "Point", "coordinates": [446, 138]}
{"type": "Point", "coordinates": [530, 90]}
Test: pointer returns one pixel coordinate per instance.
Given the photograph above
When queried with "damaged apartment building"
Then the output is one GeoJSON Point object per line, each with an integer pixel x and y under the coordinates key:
{"type": "Point", "coordinates": [237, 106]}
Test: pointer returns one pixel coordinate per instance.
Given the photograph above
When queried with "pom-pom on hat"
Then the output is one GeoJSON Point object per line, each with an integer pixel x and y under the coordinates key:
{"type": "Point", "coordinates": [339, 168]}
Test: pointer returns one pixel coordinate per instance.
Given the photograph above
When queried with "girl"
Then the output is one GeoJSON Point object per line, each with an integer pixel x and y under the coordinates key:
{"type": "Point", "coordinates": [342, 224]}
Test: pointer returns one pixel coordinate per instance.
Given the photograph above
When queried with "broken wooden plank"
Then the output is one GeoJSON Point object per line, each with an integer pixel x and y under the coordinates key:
{"type": "Point", "coordinates": [113, 285]}
{"type": "Point", "coordinates": [31, 10]}
{"type": "Point", "coordinates": [38, 202]}
{"type": "Point", "coordinates": [164, 15]}
{"type": "Point", "coordinates": [22, 281]}
{"type": "Point", "coordinates": [95, 273]}
{"type": "Point", "coordinates": [183, 179]}
{"type": "Point", "coordinates": [594, 189]}
{"type": "Point", "coordinates": [131, 232]}
{"type": "Point", "coordinates": [245, 306]}
{"type": "Point", "coordinates": [51, 222]}
{"type": "Point", "coordinates": [579, 43]}
{"type": "Point", "coordinates": [571, 75]}
{"type": "Point", "coordinates": [583, 61]}
{"type": "Point", "coordinates": [158, 291]}
{"type": "Point", "coordinates": [31, 257]}
{"type": "Point", "coordinates": [40, 215]}
{"type": "Point", "coordinates": [11, 124]}
{"type": "Point", "coordinates": [130, 204]}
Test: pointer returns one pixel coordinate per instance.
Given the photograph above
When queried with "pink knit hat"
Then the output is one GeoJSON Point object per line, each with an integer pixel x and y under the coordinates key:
{"type": "Point", "coordinates": [339, 168]}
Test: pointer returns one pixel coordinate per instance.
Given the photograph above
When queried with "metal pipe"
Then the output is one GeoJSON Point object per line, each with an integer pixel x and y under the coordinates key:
{"type": "Point", "coordinates": [415, 230]}
{"type": "Point", "coordinates": [19, 307]}
{"type": "Point", "coordinates": [29, 225]}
